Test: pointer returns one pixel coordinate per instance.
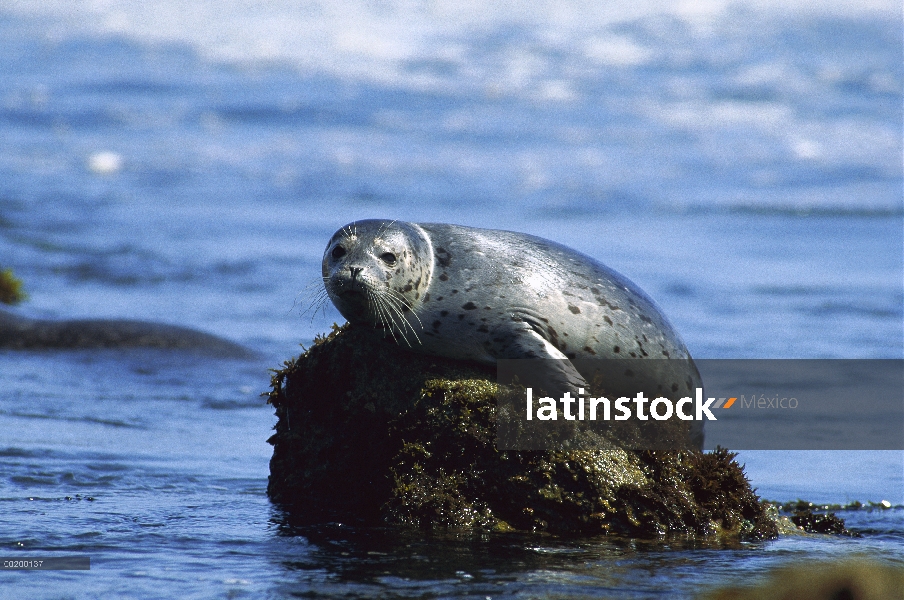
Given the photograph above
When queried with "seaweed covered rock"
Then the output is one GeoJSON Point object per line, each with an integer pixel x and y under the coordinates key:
{"type": "Point", "coordinates": [369, 432]}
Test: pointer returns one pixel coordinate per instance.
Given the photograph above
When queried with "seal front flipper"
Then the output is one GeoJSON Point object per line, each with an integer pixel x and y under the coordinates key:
{"type": "Point", "coordinates": [549, 369]}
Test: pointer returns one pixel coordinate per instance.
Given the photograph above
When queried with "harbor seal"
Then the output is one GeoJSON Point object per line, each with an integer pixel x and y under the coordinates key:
{"type": "Point", "coordinates": [484, 295]}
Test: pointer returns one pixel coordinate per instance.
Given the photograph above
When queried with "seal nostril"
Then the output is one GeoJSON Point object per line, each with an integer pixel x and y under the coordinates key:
{"type": "Point", "coordinates": [355, 271]}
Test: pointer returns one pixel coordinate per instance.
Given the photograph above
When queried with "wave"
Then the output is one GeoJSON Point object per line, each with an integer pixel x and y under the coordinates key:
{"type": "Point", "coordinates": [568, 109]}
{"type": "Point", "coordinates": [385, 40]}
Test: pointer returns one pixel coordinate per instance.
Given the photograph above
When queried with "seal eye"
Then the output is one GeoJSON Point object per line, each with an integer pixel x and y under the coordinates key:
{"type": "Point", "coordinates": [338, 252]}
{"type": "Point", "coordinates": [389, 258]}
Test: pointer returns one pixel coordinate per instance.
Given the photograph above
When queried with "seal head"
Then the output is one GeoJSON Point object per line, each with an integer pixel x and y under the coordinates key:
{"type": "Point", "coordinates": [378, 272]}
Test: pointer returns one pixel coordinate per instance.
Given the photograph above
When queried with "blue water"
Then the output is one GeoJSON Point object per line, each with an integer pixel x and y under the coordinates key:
{"type": "Point", "coordinates": [187, 164]}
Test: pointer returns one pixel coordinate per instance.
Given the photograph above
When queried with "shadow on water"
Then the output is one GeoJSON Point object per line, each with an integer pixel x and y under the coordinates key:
{"type": "Point", "coordinates": [339, 559]}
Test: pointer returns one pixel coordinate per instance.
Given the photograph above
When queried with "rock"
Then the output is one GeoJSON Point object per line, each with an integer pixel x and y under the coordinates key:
{"type": "Point", "coordinates": [848, 579]}
{"type": "Point", "coordinates": [21, 333]}
{"type": "Point", "coordinates": [819, 523]}
{"type": "Point", "coordinates": [368, 432]}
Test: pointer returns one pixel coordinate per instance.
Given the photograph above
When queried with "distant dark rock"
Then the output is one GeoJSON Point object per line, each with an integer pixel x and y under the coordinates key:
{"type": "Point", "coordinates": [21, 333]}
{"type": "Point", "coordinates": [370, 433]}
{"type": "Point", "coordinates": [820, 523]}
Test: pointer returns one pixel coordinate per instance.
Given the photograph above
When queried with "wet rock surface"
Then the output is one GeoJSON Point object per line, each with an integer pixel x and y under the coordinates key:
{"type": "Point", "coordinates": [820, 523]}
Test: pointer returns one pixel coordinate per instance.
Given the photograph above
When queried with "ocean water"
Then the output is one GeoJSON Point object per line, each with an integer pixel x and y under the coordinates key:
{"type": "Point", "coordinates": [187, 162]}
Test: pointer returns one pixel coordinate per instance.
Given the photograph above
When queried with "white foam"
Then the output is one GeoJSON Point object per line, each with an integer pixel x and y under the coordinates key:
{"type": "Point", "coordinates": [617, 50]}
{"type": "Point", "coordinates": [104, 163]}
{"type": "Point", "coordinates": [360, 38]}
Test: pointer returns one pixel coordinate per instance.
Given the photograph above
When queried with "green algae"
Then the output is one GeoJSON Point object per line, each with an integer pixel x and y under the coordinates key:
{"type": "Point", "coordinates": [368, 432]}
{"type": "Point", "coordinates": [11, 291]}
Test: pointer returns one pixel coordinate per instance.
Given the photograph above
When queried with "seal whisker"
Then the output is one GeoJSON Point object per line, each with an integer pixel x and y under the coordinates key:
{"type": "Point", "coordinates": [391, 312]}
{"type": "Point", "coordinates": [384, 227]}
{"type": "Point", "coordinates": [376, 308]}
{"type": "Point", "coordinates": [412, 309]}
{"type": "Point", "coordinates": [395, 310]}
{"type": "Point", "coordinates": [313, 298]}
{"type": "Point", "coordinates": [397, 303]}
{"type": "Point", "coordinates": [386, 317]}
